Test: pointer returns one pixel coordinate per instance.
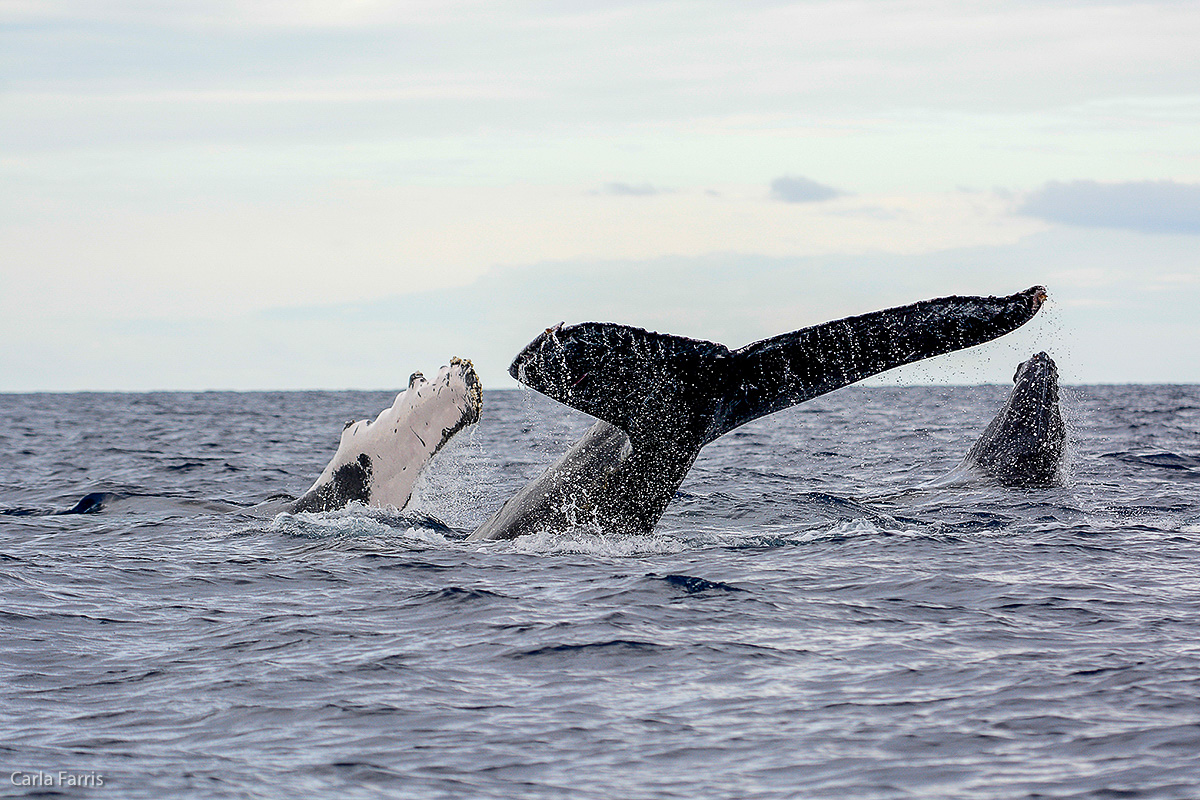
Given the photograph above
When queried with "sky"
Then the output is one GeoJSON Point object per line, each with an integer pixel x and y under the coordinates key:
{"type": "Point", "coordinates": [292, 194]}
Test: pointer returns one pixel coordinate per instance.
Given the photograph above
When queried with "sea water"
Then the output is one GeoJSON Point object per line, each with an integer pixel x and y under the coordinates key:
{"type": "Point", "coordinates": [816, 615]}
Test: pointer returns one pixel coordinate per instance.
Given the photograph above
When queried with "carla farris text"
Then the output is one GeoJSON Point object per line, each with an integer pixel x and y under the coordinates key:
{"type": "Point", "coordinates": [61, 778]}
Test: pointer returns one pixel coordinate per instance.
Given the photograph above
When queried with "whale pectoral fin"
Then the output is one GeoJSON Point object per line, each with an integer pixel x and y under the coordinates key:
{"type": "Point", "coordinates": [640, 381]}
{"type": "Point", "coordinates": [350, 482]}
{"type": "Point", "coordinates": [784, 370]}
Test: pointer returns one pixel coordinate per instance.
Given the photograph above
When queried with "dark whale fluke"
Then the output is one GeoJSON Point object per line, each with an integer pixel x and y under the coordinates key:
{"type": "Point", "coordinates": [661, 398]}
{"type": "Point", "coordinates": [1024, 445]}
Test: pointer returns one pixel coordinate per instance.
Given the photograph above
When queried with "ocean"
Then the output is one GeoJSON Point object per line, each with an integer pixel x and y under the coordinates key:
{"type": "Point", "coordinates": [816, 615]}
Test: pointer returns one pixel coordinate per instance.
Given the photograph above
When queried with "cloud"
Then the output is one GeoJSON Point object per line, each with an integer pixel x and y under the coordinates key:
{"type": "Point", "coordinates": [1146, 206]}
{"type": "Point", "coordinates": [631, 189]}
{"type": "Point", "coordinates": [801, 190]}
{"type": "Point", "coordinates": [877, 213]}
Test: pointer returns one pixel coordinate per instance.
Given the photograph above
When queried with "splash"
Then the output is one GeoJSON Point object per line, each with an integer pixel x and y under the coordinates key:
{"type": "Point", "coordinates": [579, 541]}
{"type": "Point", "coordinates": [358, 521]}
{"type": "Point", "coordinates": [458, 485]}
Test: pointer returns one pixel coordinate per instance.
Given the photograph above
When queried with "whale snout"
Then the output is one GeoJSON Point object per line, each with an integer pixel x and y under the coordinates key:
{"type": "Point", "coordinates": [1026, 442]}
{"type": "Point", "coordinates": [1039, 368]}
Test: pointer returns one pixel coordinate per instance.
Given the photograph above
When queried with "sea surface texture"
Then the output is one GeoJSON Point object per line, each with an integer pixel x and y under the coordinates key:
{"type": "Point", "coordinates": [815, 616]}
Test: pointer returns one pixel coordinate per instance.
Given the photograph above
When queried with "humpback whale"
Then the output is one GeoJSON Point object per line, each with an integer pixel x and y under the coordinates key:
{"type": "Point", "coordinates": [660, 398]}
{"type": "Point", "coordinates": [378, 462]}
{"type": "Point", "coordinates": [1024, 445]}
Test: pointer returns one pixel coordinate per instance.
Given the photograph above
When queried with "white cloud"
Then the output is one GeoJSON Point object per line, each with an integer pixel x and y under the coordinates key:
{"type": "Point", "coordinates": [631, 189]}
{"type": "Point", "coordinates": [656, 60]}
{"type": "Point", "coordinates": [206, 255]}
{"type": "Point", "coordinates": [205, 159]}
{"type": "Point", "coordinates": [232, 14]}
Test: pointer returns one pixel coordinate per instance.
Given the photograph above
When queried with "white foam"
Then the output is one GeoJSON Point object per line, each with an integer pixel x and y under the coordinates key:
{"type": "Point", "coordinates": [583, 542]}
{"type": "Point", "coordinates": [354, 521]}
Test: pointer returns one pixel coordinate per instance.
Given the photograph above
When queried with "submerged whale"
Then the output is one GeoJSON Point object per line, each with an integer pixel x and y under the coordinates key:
{"type": "Point", "coordinates": [1025, 444]}
{"type": "Point", "coordinates": [378, 462]}
{"type": "Point", "coordinates": [661, 398]}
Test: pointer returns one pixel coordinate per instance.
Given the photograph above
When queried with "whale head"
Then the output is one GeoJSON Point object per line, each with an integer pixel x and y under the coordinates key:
{"type": "Point", "coordinates": [1026, 442]}
{"type": "Point", "coordinates": [1036, 383]}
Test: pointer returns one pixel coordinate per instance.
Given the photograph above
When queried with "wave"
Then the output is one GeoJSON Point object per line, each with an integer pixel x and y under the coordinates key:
{"type": "Point", "coordinates": [129, 502]}
{"type": "Point", "coordinates": [1163, 459]}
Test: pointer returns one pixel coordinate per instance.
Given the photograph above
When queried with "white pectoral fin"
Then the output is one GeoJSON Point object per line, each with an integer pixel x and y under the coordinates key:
{"type": "Point", "coordinates": [378, 462]}
{"type": "Point", "coordinates": [404, 437]}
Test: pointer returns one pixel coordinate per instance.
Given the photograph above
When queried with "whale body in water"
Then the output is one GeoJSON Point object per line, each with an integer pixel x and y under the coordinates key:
{"type": "Point", "coordinates": [660, 398]}
{"type": "Point", "coordinates": [1024, 445]}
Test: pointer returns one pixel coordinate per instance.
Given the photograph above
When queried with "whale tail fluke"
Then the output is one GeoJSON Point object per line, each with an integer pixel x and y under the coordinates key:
{"type": "Point", "coordinates": [784, 370]}
{"type": "Point", "coordinates": [629, 377]}
{"type": "Point", "coordinates": [670, 390]}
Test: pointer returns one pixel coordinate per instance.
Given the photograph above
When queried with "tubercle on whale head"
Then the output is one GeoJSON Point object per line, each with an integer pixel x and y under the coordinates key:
{"type": "Point", "coordinates": [1039, 361]}
{"type": "Point", "coordinates": [1037, 377]}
